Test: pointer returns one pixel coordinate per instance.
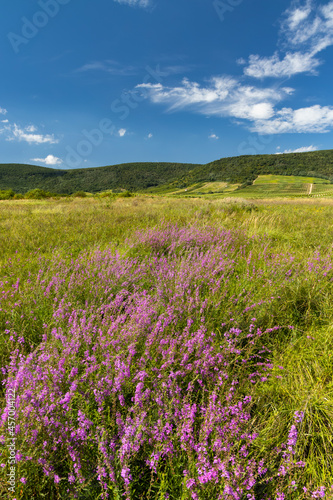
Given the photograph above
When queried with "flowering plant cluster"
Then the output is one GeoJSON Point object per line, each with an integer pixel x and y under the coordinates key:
{"type": "Point", "coordinates": [143, 381]}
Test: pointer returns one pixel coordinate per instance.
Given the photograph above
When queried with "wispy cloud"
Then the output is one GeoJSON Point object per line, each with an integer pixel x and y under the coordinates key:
{"type": "Point", "coordinates": [305, 28]}
{"type": "Point", "coordinates": [297, 14]}
{"type": "Point", "coordinates": [226, 97]}
{"type": "Point", "coordinates": [308, 30]}
{"type": "Point", "coordinates": [292, 64]}
{"type": "Point", "coordinates": [213, 136]}
{"type": "Point", "coordinates": [308, 26]}
{"type": "Point", "coordinates": [135, 3]}
{"type": "Point", "coordinates": [27, 134]}
{"type": "Point", "coordinates": [49, 160]}
{"type": "Point", "coordinates": [117, 69]}
{"type": "Point", "coordinates": [3, 111]}
{"type": "Point", "coordinates": [304, 149]}
{"type": "Point", "coordinates": [109, 66]}
{"type": "Point", "coordinates": [178, 69]}
{"type": "Point", "coordinates": [122, 132]}
{"type": "Point", "coordinates": [31, 128]}
{"type": "Point", "coordinates": [223, 96]}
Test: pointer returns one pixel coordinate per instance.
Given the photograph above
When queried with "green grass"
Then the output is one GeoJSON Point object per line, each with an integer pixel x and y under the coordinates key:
{"type": "Point", "coordinates": [322, 189]}
{"type": "Point", "coordinates": [264, 186]}
{"type": "Point", "coordinates": [288, 179]}
{"type": "Point", "coordinates": [34, 230]}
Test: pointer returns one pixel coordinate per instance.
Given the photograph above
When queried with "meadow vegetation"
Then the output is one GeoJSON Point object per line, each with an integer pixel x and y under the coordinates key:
{"type": "Point", "coordinates": [167, 348]}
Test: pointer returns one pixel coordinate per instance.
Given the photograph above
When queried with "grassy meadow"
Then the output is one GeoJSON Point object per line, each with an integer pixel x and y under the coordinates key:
{"type": "Point", "coordinates": [166, 348]}
{"type": "Point", "coordinates": [263, 187]}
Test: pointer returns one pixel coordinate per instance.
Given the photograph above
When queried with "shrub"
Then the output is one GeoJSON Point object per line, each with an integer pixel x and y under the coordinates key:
{"type": "Point", "coordinates": [126, 194]}
{"type": "Point", "coordinates": [7, 194]}
{"type": "Point", "coordinates": [79, 194]}
{"type": "Point", "coordinates": [37, 194]}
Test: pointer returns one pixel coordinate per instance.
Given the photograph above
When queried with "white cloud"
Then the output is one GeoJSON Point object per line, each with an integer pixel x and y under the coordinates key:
{"type": "Point", "coordinates": [309, 26]}
{"type": "Point", "coordinates": [292, 64]}
{"type": "Point", "coordinates": [31, 128]}
{"type": "Point", "coordinates": [298, 14]}
{"type": "Point", "coordinates": [228, 98]}
{"type": "Point", "coordinates": [223, 96]}
{"type": "Point", "coordinates": [4, 121]}
{"type": "Point", "coordinates": [3, 111]}
{"type": "Point", "coordinates": [314, 119]}
{"type": "Point", "coordinates": [304, 149]}
{"type": "Point", "coordinates": [307, 30]}
{"type": "Point", "coordinates": [150, 136]}
{"type": "Point", "coordinates": [27, 134]}
{"type": "Point", "coordinates": [135, 3]}
{"type": "Point", "coordinates": [213, 136]}
{"type": "Point", "coordinates": [49, 160]}
{"type": "Point", "coordinates": [122, 132]}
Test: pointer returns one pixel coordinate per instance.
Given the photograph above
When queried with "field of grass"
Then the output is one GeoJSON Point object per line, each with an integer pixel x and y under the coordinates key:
{"type": "Point", "coordinates": [265, 186]}
{"type": "Point", "coordinates": [203, 188]}
{"type": "Point", "coordinates": [288, 179]}
{"type": "Point", "coordinates": [166, 348]}
{"type": "Point", "coordinates": [275, 190]}
{"type": "Point", "coordinates": [322, 190]}
{"type": "Point", "coordinates": [270, 186]}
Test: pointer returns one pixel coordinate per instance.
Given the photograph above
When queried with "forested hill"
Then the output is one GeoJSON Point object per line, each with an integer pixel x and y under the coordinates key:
{"type": "Point", "coordinates": [143, 176]}
{"type": "Point", "coordinates": [130, 176]}
{"type": "Point", "coordinates": [247, 168]}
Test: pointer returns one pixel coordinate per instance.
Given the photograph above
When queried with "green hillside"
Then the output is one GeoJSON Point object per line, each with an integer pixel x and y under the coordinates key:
{"type": "Point", "coordinates": [167, 177]}
{"type": "Point", "coordinates": [21, 178]}
{"type": "Point", "coordinates": [246, 168]}
{"type": "Point", "coordinates": [130, 176]}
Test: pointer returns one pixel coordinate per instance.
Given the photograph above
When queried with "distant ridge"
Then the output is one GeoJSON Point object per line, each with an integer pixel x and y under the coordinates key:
{"type": "Point", "coordinates": [129, 176]}
{"type": "Point", "coordinates": [152, 176]}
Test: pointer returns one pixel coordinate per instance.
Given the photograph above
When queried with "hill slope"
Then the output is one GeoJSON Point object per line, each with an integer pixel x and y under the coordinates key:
{"type": "Point", "coordinates": [156, 177]}
{"type": "Point", "coordinates": [131, 176]}
{"type": "Point", "coordinates": [247, 168]}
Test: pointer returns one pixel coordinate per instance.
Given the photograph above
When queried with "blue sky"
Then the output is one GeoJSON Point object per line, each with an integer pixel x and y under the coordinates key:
{"type": "Point", "coordinates": [114, 81]}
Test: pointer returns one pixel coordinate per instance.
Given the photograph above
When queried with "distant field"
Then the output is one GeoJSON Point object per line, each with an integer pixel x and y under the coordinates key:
{"type": "Point", "coordinates": [268, 190]}
{"type": "Point", "coordinates": [205, 188]}
{"type": "Point", "coordinates": [271, 186]}
{"type": "Point", "coordinates": [322, 190]}
{"type": "Point", "coordinates": [278, 186]}
{"type": "Point", "coordinates": [265, 186]}
{"type": "Point", "coordinates": [209, 187]}
{"type": "Point", "coordinates": [288, 179]}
